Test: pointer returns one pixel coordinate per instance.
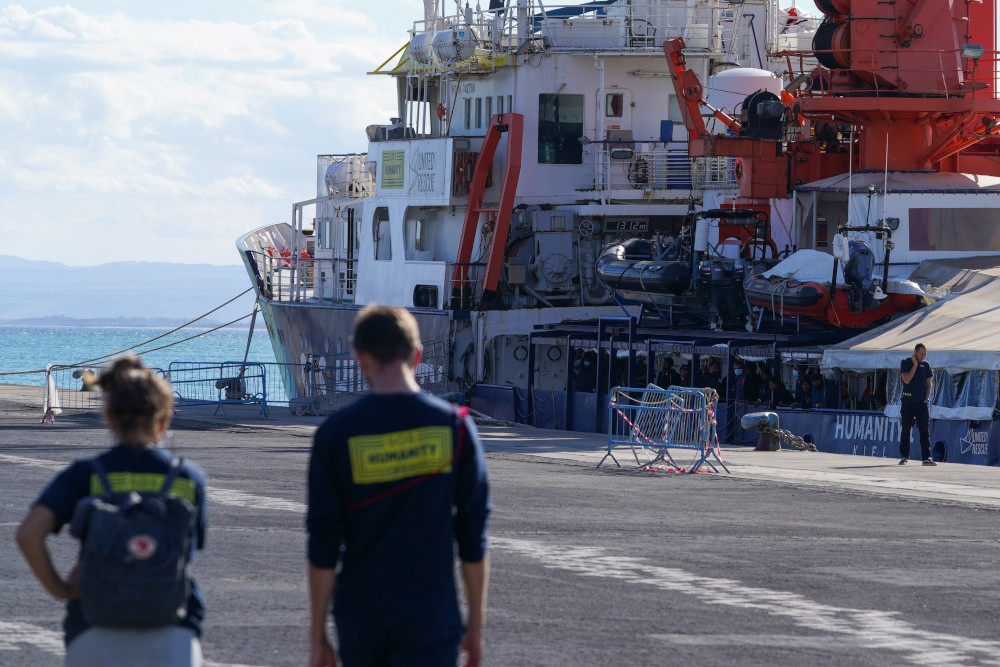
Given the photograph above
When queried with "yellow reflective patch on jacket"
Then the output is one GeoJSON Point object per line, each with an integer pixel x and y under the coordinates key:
{"type": "Point", "coordinates": [144, 482]}
{"type": "Point", "coordinates": [389, 457]}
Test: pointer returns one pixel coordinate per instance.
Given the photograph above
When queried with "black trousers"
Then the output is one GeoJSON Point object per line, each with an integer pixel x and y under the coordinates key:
{"type": "Point", "coordinates": [910, 412]}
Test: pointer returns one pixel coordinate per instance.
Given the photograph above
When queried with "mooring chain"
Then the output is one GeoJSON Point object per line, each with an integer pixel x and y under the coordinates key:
{"type": "Point", "coordinates": [789, 438]}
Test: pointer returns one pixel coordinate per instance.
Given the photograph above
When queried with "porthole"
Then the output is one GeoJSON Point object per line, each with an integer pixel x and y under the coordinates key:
{"type": "Point", "coordinates": [554, 353]}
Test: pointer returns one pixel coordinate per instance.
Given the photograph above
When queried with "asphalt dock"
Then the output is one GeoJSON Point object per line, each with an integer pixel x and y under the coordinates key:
{"type": "Point", "coordinates": [792, 558]}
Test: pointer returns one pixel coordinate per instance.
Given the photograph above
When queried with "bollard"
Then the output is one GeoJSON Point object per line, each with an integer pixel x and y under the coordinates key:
{"type": "Point", "coordinates": [765, 423]}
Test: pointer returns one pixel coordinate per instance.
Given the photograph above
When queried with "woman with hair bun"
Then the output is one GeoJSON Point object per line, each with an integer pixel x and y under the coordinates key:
{"type": "Point", "coordinates": [138, 406]}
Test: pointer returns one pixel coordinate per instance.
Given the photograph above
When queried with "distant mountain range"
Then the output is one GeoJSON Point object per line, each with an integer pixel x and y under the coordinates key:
{"type": "Point", "coordinates": [119, 293]}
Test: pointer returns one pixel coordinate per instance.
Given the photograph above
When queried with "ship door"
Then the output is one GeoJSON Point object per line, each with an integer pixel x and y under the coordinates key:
{"type": "Point", "coordinates": [348, 271]}
{"type": "Point", "coordinates": [617, 111]}
{"type": "Point", "coordinates": [620, 156]}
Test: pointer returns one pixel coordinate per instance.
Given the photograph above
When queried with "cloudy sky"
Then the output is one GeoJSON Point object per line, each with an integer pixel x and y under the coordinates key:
{"type": "Point", "coordinates": [160, 131]}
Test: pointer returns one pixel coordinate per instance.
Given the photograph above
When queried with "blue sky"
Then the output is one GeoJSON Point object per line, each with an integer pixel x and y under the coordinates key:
{"type": "Point", "coordinates": [160, 131]}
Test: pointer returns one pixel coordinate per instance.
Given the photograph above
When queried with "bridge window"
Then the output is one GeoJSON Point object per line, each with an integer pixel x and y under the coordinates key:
{"type": "Point", "coordinates": [560, 126]}
{"type": "Point", "coordinates": [954, 229]}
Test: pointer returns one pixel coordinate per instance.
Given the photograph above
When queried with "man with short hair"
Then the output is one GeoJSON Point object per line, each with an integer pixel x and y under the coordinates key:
{"type": "Point", "coordinates": [668, 377]}
{"type": "Point", "coordinates": [819, 392]}
{"type": "Point", "coordinates": [916, 376]}
{"type": "Point", "coordinates": [779, 394]}
{"type": "Point", "coordinates": [395, 480]}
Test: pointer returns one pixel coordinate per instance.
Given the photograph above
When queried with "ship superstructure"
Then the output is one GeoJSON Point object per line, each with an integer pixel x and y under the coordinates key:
{"type": "Point", "coordinates": [586, 147]}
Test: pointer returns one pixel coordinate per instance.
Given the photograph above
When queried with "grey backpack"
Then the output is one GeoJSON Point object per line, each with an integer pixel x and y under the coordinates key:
{"type": "Point", "coordinates": [134, 555]}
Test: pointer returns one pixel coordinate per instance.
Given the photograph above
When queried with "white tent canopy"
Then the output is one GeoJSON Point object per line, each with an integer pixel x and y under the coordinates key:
{"type": "Point", "coordinates": [961, 333]}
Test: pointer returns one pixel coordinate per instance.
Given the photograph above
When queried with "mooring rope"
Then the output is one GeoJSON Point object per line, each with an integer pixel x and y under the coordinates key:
{"type": "Point", "coordinates": [153, 340]}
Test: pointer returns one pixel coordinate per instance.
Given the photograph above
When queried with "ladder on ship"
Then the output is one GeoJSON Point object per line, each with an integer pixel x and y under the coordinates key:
{"type": "Point", "coordinates": [462, 291]}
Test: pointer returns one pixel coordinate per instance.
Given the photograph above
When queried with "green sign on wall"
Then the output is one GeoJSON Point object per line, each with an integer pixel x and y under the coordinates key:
{"type": "Point", "coordinates": [392, 170]}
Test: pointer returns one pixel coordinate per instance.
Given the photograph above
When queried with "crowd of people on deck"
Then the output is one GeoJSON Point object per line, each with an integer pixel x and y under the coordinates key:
{"type": "Point", "coordinates": [753, 382]}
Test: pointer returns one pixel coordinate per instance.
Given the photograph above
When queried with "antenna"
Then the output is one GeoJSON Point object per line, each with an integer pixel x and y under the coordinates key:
{"type": "Point", "coordinates": [885, 178]}
{"type": "Point", "coordinates": [850, 176]}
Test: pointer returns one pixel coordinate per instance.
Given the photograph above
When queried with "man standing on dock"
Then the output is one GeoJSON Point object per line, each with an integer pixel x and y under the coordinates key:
{"type": "Point", "coordinates": [395, 480]}
{"type": "Point", "coordinates": [916, 376]}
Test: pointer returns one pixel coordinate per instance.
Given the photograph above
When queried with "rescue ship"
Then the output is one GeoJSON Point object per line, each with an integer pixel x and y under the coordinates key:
{"type": "Point", "coordinates": [734, 157]}
{"type": "Point", "coordinates": [527, 136]}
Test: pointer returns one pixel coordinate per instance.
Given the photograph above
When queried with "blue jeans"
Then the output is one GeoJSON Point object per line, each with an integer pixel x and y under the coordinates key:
{"type": "Point", "coordinates": [908, 413]}
{"type": "Point", "coordinates": [396, 647]}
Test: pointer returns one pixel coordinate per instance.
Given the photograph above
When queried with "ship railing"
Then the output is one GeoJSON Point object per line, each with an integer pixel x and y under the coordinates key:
{"type": "Point", "coordinates": [713, 173]}
{"type": "Point", "coordinates": [938, 72]}
{"type": "Point", "coordinates": [642, 165]}
{"type": "Point", "coordinates": [464, 285]}
{"type": "Point", "coordinates": [276, 279]}
{"type": "Point", "coordinates": [219, 384]}
{"type": "Point", "coordinates": [636, 26]}
{"type": "Point", "coordinates": [286, 279]}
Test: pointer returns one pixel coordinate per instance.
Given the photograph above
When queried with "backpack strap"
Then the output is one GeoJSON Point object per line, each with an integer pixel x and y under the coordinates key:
{"type": "Point", "coordinates": [101, 475]}
{"type": "Point", "coordinates": [175, 470]}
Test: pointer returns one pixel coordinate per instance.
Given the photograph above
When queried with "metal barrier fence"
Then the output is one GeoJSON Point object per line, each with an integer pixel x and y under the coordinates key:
{"type": "Point", "coordinates": [70, 387]}
{"type": "Point", "coordinates": [318, 387]}
{"type": "Point", "coordinates": [336, 379]}
{"type": "Point", "coordinates": [653, 421]}
{"type": "Point", "coordinates": [220, 384]}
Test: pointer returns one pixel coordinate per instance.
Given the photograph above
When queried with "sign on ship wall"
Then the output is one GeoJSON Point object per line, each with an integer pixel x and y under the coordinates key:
{"type": "Point", "coordinates": [874, 434]}
{"type": "Point", "coordinates": [416, 170]}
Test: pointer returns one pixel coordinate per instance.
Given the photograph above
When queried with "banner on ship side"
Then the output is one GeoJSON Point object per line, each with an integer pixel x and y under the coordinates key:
{"type": "Point", "coordinates": [419, 171]}
{"type": "Point", "coordinates": [874, 434]}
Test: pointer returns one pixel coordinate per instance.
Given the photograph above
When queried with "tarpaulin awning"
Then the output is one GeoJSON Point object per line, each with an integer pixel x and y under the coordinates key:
{"type": "Point", "coordinates": [961, 333]}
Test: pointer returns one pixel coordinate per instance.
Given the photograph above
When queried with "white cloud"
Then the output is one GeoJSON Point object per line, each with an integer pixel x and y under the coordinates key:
{"type": "Point", "coordinates": [134, 136]}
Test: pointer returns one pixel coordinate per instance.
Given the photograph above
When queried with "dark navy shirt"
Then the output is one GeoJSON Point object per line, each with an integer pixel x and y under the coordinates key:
{"type": "Point", "coordinates": [128, 469]}
{"type": "Point", "coordinates": [916, 390]}
{"type": "Point", "coordinates": [390, 493]}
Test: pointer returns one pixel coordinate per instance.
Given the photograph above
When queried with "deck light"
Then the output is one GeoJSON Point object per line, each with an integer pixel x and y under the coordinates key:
{"type": "Point", "coordinates": [974, 51]}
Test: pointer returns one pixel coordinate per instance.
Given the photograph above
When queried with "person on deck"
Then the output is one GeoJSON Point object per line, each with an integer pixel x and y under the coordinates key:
{"type": "Point", "coordinates": [780, 396]}
{"type": "Point", "coordinates": [586, 378]}
{"type": "Point", "coordinates": [751, 385]}
{"type": "Point", "coordinates": [667, 376]}
{"type": "Point", "coordinates": [819, 393]}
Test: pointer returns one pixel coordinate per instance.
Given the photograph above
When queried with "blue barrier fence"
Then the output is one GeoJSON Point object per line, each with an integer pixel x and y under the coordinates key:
{"type": "Point", "coordinates": [219, 384]}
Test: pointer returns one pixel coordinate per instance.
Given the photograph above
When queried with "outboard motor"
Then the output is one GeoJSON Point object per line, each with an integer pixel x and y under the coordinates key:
{"type": "Point", "coordinates": [858, 276]}
{"type": "Point", "coordinates": [720, 290]}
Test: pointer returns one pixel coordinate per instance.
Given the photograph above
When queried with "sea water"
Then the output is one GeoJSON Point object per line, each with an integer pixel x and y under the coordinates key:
{"type": "Point", "coordinates": [32, 348]}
